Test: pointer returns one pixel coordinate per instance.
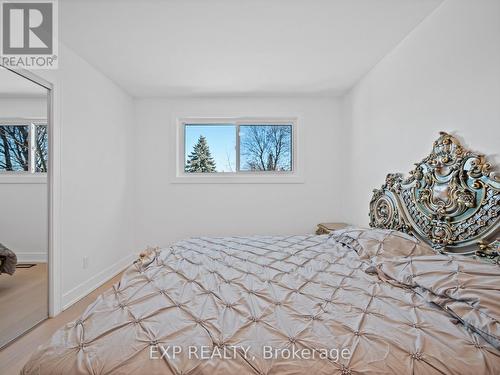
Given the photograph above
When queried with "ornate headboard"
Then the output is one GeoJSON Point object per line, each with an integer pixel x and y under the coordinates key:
{"type": "Point", "coordinates": [451, 200]}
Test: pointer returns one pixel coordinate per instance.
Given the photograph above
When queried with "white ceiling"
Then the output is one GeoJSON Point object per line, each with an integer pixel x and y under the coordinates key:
{"type": "Point", "coordinates": [13, 85]}
{"type": "Point", "coordinates": [237, 47]}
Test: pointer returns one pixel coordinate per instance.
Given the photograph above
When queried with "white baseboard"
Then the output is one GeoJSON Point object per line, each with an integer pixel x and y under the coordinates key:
{"type": "Point", "coordinates": [77, 293]}
{"type": "Point", "coordinates": [31, 257]}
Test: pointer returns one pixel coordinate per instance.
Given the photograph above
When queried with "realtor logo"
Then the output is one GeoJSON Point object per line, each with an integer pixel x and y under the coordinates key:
{"type": "Point", "coordinates": [29, 39]}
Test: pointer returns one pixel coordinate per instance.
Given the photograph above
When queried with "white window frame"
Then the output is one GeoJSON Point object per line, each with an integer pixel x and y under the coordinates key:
{"type": "Point", "coordinates": [293, 176]}
{"type": "Point", "coordinates": [30, 176]}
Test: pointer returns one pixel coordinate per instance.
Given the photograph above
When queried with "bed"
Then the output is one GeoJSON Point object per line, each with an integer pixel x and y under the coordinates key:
{"type": "Point", "coordinates": [392, 299]}
{"type": "Point", "coordinates": [8, 260]}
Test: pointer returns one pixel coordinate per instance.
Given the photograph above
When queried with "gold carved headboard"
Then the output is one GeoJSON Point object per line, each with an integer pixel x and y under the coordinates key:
{"type": "Point", "coordinates": [451, 199]}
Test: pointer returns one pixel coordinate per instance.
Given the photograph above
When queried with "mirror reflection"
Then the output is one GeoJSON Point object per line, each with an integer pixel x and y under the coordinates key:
{"type": "Point", "coordinates": [23, 205]}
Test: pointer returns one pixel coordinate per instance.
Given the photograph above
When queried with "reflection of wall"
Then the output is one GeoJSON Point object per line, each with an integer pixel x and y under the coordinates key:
{"type": "Point", "coordinates": [23, 206]}
{"type": "Point", "coordinates": [23, 107]}
{"type": "Point", "coordinates": [23, 220]}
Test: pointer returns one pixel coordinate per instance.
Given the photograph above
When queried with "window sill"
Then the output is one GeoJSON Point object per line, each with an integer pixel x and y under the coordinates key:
{"type": "Point", "coordinates": [238, 179]}
{"type": "Point", "coordinates": [23, 179]}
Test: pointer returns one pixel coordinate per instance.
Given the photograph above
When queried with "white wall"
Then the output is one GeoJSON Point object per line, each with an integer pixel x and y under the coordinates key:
{"type": "Point", "coordinates": [94, 141]}
{"type": "Point", "coordinates": [23, 218]}
{"type": "Point", "coordinates": [444, 76]}
{"type": "Point", "coordinates": [165, 212]}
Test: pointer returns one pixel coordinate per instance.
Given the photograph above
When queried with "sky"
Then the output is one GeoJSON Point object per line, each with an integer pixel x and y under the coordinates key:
{"type": "Point", "coordinates": [221, 139]}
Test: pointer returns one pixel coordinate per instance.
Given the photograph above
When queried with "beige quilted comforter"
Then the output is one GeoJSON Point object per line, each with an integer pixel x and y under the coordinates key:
{"type": "Point", "coordinates": [8, 260]}
{"type": "Point", "coordinates": [270, 305]}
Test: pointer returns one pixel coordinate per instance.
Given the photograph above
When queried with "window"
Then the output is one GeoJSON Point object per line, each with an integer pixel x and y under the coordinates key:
{"type": "Point", "coordinates": [237, 147]}
{"type": "Point", "coordinates": [23, 147]}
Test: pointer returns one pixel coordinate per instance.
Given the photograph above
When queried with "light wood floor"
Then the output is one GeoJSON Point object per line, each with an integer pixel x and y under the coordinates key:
{"type": "Point", "coordinates": [23, 301]}
{"type": "Point", "coordinates": [15, 355]}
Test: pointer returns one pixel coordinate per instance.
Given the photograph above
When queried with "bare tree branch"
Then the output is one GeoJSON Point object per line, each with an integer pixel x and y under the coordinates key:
{"type": "Point", "coordinates": [267, 147]}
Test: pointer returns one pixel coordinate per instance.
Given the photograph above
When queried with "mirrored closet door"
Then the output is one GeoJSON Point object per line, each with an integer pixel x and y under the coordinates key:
{"type": "Point", "coordinates": [23, 205]}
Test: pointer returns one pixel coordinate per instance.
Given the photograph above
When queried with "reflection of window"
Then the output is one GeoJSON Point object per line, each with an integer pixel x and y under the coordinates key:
{"type": "Point", "coordinates": [23, 147]}
{"type": "Point", "coordinates": [42, 150]}
{"type": "Point", "coordinates": [237, 146]}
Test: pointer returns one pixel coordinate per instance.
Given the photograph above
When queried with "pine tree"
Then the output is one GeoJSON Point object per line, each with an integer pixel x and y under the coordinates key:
{"type": "Point", "coordinates": [200, 160]}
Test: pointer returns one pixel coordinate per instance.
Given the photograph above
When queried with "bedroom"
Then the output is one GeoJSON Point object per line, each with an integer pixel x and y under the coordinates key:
{"type": "Point", "coordinates": [357, 89]}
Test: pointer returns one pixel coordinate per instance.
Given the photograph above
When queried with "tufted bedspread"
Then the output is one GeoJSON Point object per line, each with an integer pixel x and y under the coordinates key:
{"type": "Point", "coordinates": [262, 305]}
{"type": "Point", "coordinates": [8, 260]}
